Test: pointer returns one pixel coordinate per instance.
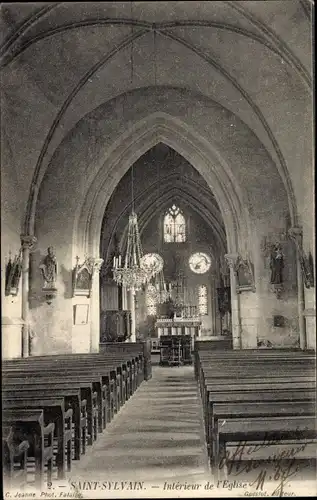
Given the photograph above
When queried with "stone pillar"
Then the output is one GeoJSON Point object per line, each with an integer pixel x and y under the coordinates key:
{"type": "Point", "coordinates": [296, 234]}
{"type": "Point", "coordinates": [95, 306]}
{"type": "Point", "coordinates": [131, 294]}
{"type": "Point", "coordinates": [27, 243]}
{"type": "Point", "coordinates": [125, 305]}
{"type": "Point", "coordinates": [235, 308]}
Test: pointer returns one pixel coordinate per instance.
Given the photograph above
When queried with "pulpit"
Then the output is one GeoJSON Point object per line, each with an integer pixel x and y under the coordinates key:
{"type": "Point", "coordinates": [115, 326]}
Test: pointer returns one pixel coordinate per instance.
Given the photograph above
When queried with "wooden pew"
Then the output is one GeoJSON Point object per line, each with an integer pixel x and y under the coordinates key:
{"type": "Point", "coordinates": [82, 383]}
{"type": "Point", "coordinates": [126, 362]}
{"type": "Point", "coordinates": [14, 453]}
{"type": "Point", "coordinates": [94, 368]}
{"type": "Point", "coordinates": [98, 378]}
{"type": "Point", "coordinates": [254, 385]}
{"type": "Point", "coordinates": [261, 431]}
{"type": "Point", "coordinates": [133, 359]}
{"type": "Point", "coordinates": [233, 384]}
{"type": "Point", "coordinates": [258, 409]}
{"type": "Point", "coordinates": [54, 411]}
{"type": "Point", "coordinates": [249, 390]}
{"type": "Point", "coordinates": [29, 423]}
{"type": "Point", "coordinates": [72, 399]}
{"type": "Point", "coordinates": [287, 396]}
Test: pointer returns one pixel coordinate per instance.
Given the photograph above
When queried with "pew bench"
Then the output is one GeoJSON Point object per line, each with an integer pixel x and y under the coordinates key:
{"type": "Point", "coordinates": [108, 392]}
{"type": "Point", "coordinates": [253, 384]}
{"type": "Point", "coordinates": [29, 424]}
{"type": "Point", "coordinates": [73, 401]}
{"type": "Point", "coordinates": [87, 394]}
{"type": "Point", "coordinates": [14, 456]}
{"type": "Point", "coordinates": [262, 431]}
{"type": "Point", "coordinates": [258, 409]}
{"type": "Point", "coordinates": [54, 411]}
{"type": "Point", "coordinates": [286, 397]}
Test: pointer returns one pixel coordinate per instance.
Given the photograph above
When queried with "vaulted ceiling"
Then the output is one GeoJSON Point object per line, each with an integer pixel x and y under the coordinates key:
{"type": "Point", "coordinates": [59, 61]}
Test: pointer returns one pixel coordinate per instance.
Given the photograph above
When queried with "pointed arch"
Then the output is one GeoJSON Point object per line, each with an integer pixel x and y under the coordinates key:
{"type": "Point", "coordinates": [159, 127]}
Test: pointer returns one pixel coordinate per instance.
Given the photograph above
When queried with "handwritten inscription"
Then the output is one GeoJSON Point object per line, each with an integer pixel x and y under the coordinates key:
{"type": "Point", "coordinates": [277, 469]}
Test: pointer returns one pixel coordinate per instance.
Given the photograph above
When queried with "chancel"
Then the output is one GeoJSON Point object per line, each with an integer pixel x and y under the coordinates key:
{"type": "Point", "coordinates": [158, 248]}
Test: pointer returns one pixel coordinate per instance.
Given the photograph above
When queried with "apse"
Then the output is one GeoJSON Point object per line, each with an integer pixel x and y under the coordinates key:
{"type": "Point", "coordinates": [181, 226]}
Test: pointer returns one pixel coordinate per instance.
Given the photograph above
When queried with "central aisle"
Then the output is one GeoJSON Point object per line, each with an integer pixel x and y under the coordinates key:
{"type": "Point", "coordinates": [156, 437]}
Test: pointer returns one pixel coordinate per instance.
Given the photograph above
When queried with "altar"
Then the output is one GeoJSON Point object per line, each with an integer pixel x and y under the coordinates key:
{"type": "Point", "coordinates": [178, 326]}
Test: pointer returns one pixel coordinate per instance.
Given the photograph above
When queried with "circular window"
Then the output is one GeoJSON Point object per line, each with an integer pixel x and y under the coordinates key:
{"type": "Point", "coordinates": [152, 262]}
{"type": "Point", "coordinates": [199, 263]}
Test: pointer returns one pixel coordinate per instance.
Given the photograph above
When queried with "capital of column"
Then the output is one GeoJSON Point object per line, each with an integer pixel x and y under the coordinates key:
{"type": "Point", "coordinates": [97, 263]}
{"type": "Point", "coordinates": [28, 241]}
{"type": "Point", "coordinates": [232, 259]}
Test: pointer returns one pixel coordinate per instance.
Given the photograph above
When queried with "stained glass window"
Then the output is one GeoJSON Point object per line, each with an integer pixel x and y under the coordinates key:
{"type": "Point", "coordinates": [150, 302]}
{"type": "Point", "coordinates": [203, 300]}
{"type": "Point", "coordinates": [174, 226]}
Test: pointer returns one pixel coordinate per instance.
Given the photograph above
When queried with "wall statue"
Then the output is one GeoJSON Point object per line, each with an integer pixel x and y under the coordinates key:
{"type": "Point", "coordinates": [277, 264]}
{"type": "Point", "coordinates": [49, 269]}
{"type": "Point", "coordinates": [13, 274]}
{"type": "Point", "coordinates": [245, 275]}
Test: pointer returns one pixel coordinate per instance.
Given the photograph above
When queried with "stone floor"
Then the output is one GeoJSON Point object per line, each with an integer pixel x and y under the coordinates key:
{"type": "Point", "coordinates": [155, 448]}
{"type": "Point", "coordinates": [156, 438]}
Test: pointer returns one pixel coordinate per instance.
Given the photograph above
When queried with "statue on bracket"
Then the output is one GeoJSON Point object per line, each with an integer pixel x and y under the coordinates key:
{"type": "Point", "coordinates": [82, 277]}
{"type": "Point", "coordinates": [277, 266]}
{"type": "Point", "coordinates": [13, 274]}
{"type": "Point", "coordinates": [49, 274]}
{"type": "Point", "coordinates": [245, 275]}
{"type": "Point", "coordinates": [49, 269]}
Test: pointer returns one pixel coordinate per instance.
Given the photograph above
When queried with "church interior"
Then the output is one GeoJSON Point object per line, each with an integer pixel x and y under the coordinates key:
{"type": "Point", "coordinates": [158, 248]}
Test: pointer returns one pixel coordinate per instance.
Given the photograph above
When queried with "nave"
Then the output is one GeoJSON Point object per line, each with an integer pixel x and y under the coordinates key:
{"type": "Point", "coordinates": [155, 430]}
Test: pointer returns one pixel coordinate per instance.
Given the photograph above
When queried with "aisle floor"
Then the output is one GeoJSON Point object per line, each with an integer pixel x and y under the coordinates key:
{"type": "Point", "coordinates": [156, 437]}
{"type": "Point", "coordinates": [155, 447]}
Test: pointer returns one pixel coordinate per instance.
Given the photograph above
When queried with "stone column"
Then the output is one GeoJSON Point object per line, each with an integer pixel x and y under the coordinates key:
{"type": "Point", "coordinates": [124, 298]}
{"type": "Point", "coordinates": [131, 294]}
{"type": "Point", "coordinates": [235, 308]}
{"type": "Point", "coordinates": [27, 243]}
{"type": "Point", "coordinates": [296, 234]}
{"type": "Point", "coordinates": [95, 306]}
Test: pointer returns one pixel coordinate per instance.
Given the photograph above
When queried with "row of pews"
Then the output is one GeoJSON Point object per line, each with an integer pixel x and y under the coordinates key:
{"type": "Point", "coordinates": [55, 406]}
{"type": "Point", "coordinates": [256, 403]}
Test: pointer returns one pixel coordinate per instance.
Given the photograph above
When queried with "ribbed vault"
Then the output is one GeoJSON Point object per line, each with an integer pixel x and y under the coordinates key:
{"type": "Point", "coordinates": [70, 59]}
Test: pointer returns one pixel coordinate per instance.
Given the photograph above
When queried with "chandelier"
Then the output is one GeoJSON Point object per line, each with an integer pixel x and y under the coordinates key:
{"type": "Point", "coordinates": [158, 290]}
{"type": "Point", "coordinates": [131, 274]}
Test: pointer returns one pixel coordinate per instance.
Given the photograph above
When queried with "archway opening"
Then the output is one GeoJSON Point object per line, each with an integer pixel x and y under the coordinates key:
{"type": "Point", "coordinates": [181, 222]}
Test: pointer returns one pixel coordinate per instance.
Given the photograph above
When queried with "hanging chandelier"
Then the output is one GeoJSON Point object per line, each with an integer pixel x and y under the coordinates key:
{"type": "Point", "coordinates": [158, 290]}
{"type": "Point", "coordinates": [130, 273]}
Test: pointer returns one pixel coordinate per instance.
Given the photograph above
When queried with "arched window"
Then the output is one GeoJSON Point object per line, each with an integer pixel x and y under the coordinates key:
{"type": "Point", "coordinates": [202, 300]}
{"type": "Point", "coordinates": [150, 302]}
{"type": "Point", "coordinates": [174, 226]}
